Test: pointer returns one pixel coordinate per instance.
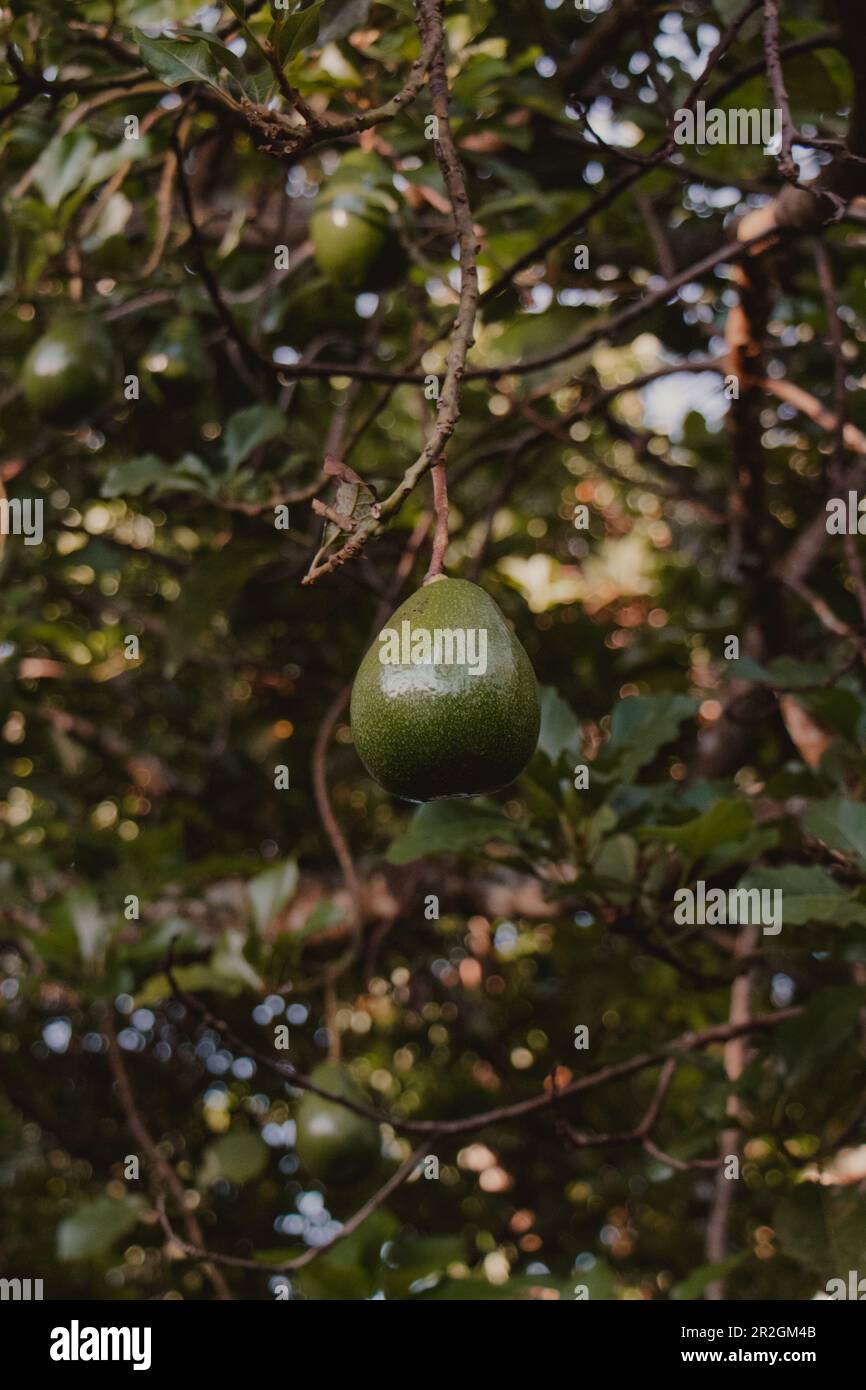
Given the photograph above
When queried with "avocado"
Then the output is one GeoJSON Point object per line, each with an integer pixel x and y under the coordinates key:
{"type": "Point", "coordinates": [362, 167]}
{"type": "Point", "coordinates": [354, 236]}
{"type": "Point", "coordinates": [445, 702]}
{"type": "Point", "coordinates": [176, 360]}
{"type": "Point", "coordinates": [69, 372]}
{"type": "Point", "coordinates": [333, 1143]}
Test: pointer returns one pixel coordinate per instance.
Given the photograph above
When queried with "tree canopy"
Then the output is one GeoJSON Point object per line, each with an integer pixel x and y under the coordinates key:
{"type": "Point", "coordinates": [301, 303]}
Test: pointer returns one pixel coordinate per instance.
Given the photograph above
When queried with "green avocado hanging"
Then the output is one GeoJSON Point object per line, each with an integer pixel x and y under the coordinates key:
{"type": "Point", "coordinates": [445, 702]}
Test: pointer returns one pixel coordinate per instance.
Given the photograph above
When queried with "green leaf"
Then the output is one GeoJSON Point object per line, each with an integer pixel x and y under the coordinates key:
{"type": "Point", "coordinates": [93, 1227]}
{"type": "Point", "coordinates": [105, 164]}
{"type": "Point", "coordinates": [213, 583]}
{"type": "Point", "coordinates": [324, 915]}
{"type": "Point", "coordinates": [840, 823]}
{"type": "Point", "coordinates": [91, 927]}
{"type": "Point", "coordinates": [697, 1280]}
{"type": "Point", "coordinates": [729, 819]}
{"type": "Point", "coordinates": [231, 965]}
{"type": "Point", "coordinates": [560, 728]}
{"type": "Point", "coordinates": [786, 673]}
{"type": "Point", "coordinates": [237, 1157]}
{"type": "Point", "coordinates": [175, 61]}
{"type": "Point", "coordinates": [641, 725]}
{"type": "Point", "coordinates": [194, 979]}
{"type": "Point", "coordinates": [132, 477]}
{"type": "Point", "coordinates": [296, 31]}
{"type": "Point", "coordinates": [222, 54]}
{"type": "Point", "coordinates": [450, 827]}
{"type": "Point", "coordinates": [63, 165]}
{"type": "Point", "coordinates": [228, 972]}
{"type": "Point", "coordinates": [617, 859]}
{"type": "Point", "coordinates": [78, 932]}
{"type": "Point", "coordinates": [270, 891]}
{"type": "Point", "coordinates": [823, 1230]}
{"type": "Point", "coordinates": [249, 428]}
{"type": "Point", "coordinates": [808, 895]}
{"type": "Point", "coordinates": [411, 1257]}
{"type": "Point", "coordinates": [189, 474]}
{"type": "Point", "coordinates": [340, 17]}
{"type": "Point", "coordinates": [351, 1269]}
{"type": "Point", "coordinates": [825, 1027]}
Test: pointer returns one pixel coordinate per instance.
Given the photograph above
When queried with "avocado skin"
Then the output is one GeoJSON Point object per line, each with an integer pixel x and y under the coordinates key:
{"type": "Point", "coordinates": [69, 372]}
{"type": "Point", "coordinates": [333, 1143]}
{"type": "Point", "coordinates": [362, 167]}
{"type": "Point", "coordinates": [432, 731]}
{"type": "Point", "coordinates": [353, 241]}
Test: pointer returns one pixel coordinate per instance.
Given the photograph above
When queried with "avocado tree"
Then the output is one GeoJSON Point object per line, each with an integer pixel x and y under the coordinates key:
{"type": "Point", "coordinates": [534, 328]}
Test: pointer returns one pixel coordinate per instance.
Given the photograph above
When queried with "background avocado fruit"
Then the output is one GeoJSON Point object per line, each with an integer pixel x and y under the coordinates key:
{"type": "Point", "coordinates": [425, 731]}
{"type": "Point", "coordinates": [175, 360]}
{"type": "Point", "coordinates": [333, 1143]}
{"type": "Point", "coordinates": [364, 168]}
{"type": "Point", "coordinates": [354, 236]}
{"type": "Point", "coordinates": [69, 372]}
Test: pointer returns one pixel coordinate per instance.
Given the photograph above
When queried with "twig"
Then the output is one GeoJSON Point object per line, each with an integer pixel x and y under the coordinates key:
{"type": "Point", "coordinates": [837, 459]}
{"type": "Point", "coordinates": [776, 78]}
{"type": "Point", "coordinates": [615, 1071]}
{"type": "Point", "coordinates": [609, 195]}
{"type": "Point", "coordinates": [323, 801]}
{"type": "Point", "coordinates": [735, 1062]}
{"type": "Point", "coordinates": [198, 1252]}
{"type": "Point", "coordinates": [164, 209]}
{"type": "Point", "coordinates": [429, 20]}
{"type": "Point", "coordinates": [440, 534]}
{"type": "Point", "coordinates": [281, 137]}
{"type": "Point", "coordinates": [159, 1163]}
{"type": "Point", "coordinates": [250, 355]}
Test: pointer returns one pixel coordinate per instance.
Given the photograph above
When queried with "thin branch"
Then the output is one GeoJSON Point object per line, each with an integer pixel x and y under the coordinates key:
{"type": "Point", "coordinates": [323, 801]}
{"type": "Point", "coordinates": [735, 1057]}
{"type": "Point", "coordinates": [837, 459]}
{"type": "Point", "coordinates": [440, 535]}
{"type": "Point", "coordinates": [776, 78]}
{"type": "Point", "coordinates": [615, 1071]}
{"type": "Point", "coordinates": [159, 1163]}
{"type": "Point", "coordinates": [250, 355]}
{"type": "Point", "coordinates": [429, 21]}
{"type": "Point", "coordinates": [629, 1136]}
{"type": "Point", "coordinates": [603, 200]}
{"type": "Point", "coordinates": [164, 209]}
{"type": "Point", "coordinates": [406, 1169]}
{"type": "Point", "coordinates": [281, 137]}
{"type": "Point", "coordinates": [829, 38]}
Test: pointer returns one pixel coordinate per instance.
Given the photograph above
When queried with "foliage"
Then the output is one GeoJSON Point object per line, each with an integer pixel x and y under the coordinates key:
{"type": "Point", "coordinates": [144, 825]}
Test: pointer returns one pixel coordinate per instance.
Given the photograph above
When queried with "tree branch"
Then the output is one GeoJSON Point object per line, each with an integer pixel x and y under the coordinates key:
{"type": "Point", "coordinates": [159, 1164]}
{"type": "Point", "coordinates": [430, 25]}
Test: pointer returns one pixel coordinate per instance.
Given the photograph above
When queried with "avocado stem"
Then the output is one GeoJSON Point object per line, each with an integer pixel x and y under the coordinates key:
{"type": "Point", "coordinates": [440, 534]}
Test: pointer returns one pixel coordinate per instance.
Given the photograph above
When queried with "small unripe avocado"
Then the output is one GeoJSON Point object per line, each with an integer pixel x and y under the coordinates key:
{"type": "Point", "coordinates": [333, 1143]}
{"type": "Point", "coordinates": [69, 372]}
{"type": "Point", "coordinates": [176, 360]}
{"type": "Point", "coordinates": [427, 723]}
{"type": "Point", "coordinates": [362, 167]}
{"type": "Point", "coordinates": [355, 243]}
